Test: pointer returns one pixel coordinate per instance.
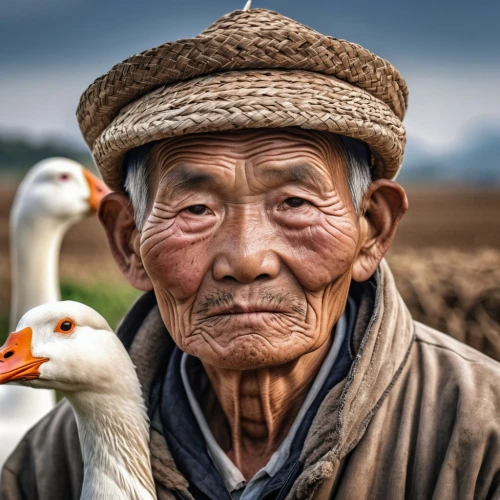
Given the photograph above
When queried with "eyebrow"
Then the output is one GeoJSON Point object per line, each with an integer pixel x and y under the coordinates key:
{"type": "Point", "coordinates": [295, 173]}
{"type": "Point", "coordinates": [182, 178]}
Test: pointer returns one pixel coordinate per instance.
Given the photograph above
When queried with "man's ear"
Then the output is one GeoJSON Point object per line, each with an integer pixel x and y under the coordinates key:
{"type": "Point", "coordinates": [383, 206]}
{"type": "Point", "coordinates": [117, 216]}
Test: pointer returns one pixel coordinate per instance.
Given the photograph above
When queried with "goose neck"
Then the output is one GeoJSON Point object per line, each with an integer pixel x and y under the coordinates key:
{"type": "Point", "coordinates": [114, 435]}
{"type": "Point", "coordinates": [35, 246]}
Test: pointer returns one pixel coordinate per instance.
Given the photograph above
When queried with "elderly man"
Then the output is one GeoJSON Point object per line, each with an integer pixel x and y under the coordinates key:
{"type": "Point", "coordinates": [253, 202]}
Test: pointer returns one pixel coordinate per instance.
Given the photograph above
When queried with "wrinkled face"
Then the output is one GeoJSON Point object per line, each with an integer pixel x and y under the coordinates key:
{"type": "Point", "coordinates": [249, 244]}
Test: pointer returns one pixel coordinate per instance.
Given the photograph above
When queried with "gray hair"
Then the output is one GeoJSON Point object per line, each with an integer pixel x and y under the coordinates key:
{"type": "Point", "coordinates": [359, 177]}
{"type": "Point", "coordinates": [138, 171]}
{"type": "Point", "coordinates": [137, 174]}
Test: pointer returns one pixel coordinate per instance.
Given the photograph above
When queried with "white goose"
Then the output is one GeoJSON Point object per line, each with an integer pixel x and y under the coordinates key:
{"type": "Point", "coordinates": [69, 347]}
{"type": "Point", "coordinates": [55, 194]}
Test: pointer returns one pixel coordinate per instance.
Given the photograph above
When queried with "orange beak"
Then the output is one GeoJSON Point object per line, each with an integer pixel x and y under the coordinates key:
{"type": "Point", "coordinates": [16, 360]}
{"type": "Point", "coordinates": [98, 189]}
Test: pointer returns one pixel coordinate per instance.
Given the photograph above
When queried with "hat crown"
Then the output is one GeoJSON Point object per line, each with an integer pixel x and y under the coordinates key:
{"type": "Point", "coordinates": [253, 20]}
{"type": "Point", "coordinates": [293, 45]}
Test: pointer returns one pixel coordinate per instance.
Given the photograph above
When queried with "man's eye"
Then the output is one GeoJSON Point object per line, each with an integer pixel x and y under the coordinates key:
{"type": "Point", "coordinates": [294, 202]}
{"type": "Point", "coordinates": [197, 209]}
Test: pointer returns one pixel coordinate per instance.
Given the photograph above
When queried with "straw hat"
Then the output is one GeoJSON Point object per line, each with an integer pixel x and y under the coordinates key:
{"type": "Point", "coordinates": [250, 69]}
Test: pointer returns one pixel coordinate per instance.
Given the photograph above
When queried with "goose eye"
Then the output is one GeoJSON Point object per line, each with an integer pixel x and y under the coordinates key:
{"type": "Point", "coordinates": [65, 326]}
{"type": "Point", "coordinates": [64, 177]}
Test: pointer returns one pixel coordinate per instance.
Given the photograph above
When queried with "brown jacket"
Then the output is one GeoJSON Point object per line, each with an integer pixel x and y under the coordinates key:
{"type": "Point", "coordinates": [418, 416]}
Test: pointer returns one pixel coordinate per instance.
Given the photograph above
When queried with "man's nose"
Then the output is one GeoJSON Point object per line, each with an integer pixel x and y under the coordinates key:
{"type": "Point", "coordinates": [246, 254]}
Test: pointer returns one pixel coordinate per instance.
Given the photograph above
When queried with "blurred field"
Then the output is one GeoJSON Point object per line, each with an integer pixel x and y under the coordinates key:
{"type": "Point", "coordinates": [455, 292]}
{"type": "Point", "coordinates": [446, 259]}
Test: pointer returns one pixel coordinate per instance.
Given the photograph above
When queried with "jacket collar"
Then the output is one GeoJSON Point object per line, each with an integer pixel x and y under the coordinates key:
{"type": "Point", "coordinates": [348, 409]}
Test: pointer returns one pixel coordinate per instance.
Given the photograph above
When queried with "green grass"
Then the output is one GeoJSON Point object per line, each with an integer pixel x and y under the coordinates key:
{"type": "Point", "coordinates": [110, 300]}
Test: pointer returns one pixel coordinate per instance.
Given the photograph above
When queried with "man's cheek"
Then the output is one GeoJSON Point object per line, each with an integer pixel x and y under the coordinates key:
{"type": "Point", "coordinates": [321, 255]}
{"type": "Point", "coordinates": [178, 268]}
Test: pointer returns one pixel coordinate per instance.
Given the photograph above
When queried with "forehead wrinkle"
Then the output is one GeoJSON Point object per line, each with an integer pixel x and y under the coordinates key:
{"type": "Point", "coordinates": [207, 145]}
{"type": "Point", "coordinates": [167, 156]}
{"type": "Point", "coordinates": [298, 165]}
{"type": "Point", "coordinates": [243, 143]}
{"type": "Point", "coordinates": [323, 150]}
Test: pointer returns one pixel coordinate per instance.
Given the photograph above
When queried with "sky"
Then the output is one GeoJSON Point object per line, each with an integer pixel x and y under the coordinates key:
{"type": "Point", "coordinates": [447, 50]}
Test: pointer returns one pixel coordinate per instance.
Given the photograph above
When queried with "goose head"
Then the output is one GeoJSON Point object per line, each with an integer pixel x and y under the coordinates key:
{"type": "Point", "coordinates": [65, 346]}
{"type": "Point", "coordinates": [58, 188]}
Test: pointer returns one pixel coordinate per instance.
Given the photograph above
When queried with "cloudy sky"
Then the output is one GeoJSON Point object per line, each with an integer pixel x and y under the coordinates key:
{"type": "Point", "coordinates": [448, 51]}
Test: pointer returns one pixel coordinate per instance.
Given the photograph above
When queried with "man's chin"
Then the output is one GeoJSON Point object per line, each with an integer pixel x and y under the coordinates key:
{"type": "Point", "coordinates": [246, 354]}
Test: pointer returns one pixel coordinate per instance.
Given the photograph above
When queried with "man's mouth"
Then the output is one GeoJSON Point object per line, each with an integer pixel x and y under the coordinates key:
{"type": "Point", "coordinates": [245, 309]}
{"type": "Point", "coordinates": [250, 309]}
{"type": "Point", "coordinates": [260, 302]}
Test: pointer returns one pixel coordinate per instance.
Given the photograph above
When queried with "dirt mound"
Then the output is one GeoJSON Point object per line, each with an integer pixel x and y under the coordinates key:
{"type": "Point", "coordinates": [453, 291]}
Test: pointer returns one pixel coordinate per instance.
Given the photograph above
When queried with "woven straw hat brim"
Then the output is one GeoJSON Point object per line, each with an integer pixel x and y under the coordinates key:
{"type": "Point", "coordinates": [252, 99]}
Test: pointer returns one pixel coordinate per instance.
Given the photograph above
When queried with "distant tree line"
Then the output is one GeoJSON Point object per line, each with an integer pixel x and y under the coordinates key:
{"type": "Point", "coordinates": [17, 155]}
